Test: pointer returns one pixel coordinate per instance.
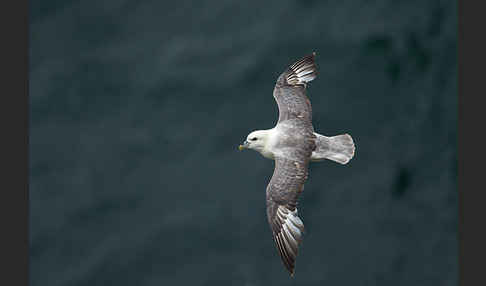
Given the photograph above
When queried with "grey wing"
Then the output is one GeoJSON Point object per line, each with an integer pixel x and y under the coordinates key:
{"type": "Point", "coordinates": [283, 192]}
{"type": "Point", "coordinates": [289, 91]}
{"type": "Point", "coordinates": [291, 168]}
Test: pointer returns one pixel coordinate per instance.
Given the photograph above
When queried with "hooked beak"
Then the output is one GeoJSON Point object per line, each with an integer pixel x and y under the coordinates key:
{"type": "Point", "coordinates": [244, 146]}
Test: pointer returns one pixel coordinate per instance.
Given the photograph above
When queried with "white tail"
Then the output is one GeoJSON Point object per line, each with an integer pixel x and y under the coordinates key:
{"type": "Point", "coordinates": [338, 148]}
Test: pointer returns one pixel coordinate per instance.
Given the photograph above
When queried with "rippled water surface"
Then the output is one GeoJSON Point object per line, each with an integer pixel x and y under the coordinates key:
{"type": "Point", "coordinates": [137, 109]}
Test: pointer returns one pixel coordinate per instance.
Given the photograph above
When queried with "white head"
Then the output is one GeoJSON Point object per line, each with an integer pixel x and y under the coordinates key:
{"type": "Point", "coordinates": [256, 140]}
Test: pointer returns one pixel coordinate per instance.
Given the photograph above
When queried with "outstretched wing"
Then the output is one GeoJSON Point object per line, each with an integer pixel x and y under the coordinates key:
{"type": "Point", "coordinates": [291, 164]}
{"type": "Point", "coordinates": [283, 191]}
{"type": "Point", "coordinates": [289, 91]}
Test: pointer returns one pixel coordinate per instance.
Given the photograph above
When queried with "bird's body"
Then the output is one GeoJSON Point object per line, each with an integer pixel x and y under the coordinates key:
{"type": "Point", "coordinates": [338, 148]}
{"type": "Point", "coordinates": [279, 139]}
{"type": "Point", "coordinates": [293, 144]}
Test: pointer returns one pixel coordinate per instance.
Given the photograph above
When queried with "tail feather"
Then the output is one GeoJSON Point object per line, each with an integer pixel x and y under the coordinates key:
{"type": "Point", "coordinates": [338, 148]}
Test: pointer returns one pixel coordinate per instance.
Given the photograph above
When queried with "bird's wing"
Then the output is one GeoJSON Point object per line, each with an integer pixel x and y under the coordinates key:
{"type": "Point", "coordinates": [291, 163]}
{"type": "Point", "coordinates": [283, 191]}
{"type": "Point", "coordinates": [289, 91]}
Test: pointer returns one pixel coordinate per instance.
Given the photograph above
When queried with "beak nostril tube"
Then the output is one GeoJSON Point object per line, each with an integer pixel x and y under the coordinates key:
{"type": "Point", "coordinates": [244, 146]}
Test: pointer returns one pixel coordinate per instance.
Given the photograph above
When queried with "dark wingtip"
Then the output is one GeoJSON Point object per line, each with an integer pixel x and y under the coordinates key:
{"type": "Point", "coordinates": [303, 71]}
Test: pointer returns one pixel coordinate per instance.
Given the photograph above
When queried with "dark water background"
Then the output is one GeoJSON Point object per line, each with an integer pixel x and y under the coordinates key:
{"type": "Point", "coordinates": [137, 108]}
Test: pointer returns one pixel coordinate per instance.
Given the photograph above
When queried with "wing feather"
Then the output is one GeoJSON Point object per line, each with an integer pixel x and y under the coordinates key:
{"type": "Point", "coordinates": [291, 163]}
{"type": "Point", "coordinates": [282, 195]}
{"type": "Point", "coordinates": [289, 91]}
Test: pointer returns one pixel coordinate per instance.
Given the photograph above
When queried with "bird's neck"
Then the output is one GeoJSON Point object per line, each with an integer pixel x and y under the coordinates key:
{"type": "Point", "coordinates": [270, 140]}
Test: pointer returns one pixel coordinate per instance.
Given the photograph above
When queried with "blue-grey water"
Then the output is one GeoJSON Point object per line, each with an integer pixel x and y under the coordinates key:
{"type": "Point", "coordinates": [137, 109]}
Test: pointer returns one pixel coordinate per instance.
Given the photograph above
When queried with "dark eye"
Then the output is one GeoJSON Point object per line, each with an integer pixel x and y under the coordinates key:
{"type": "Point", "coordinates": [253, 139]}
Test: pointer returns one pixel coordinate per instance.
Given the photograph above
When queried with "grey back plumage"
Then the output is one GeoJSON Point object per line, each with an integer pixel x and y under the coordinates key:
{"type": "Point", "coordinates": [291, 165]}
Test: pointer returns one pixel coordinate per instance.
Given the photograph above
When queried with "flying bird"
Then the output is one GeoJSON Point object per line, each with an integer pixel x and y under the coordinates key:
{"type": "Point", "coordinates": [292, 144]}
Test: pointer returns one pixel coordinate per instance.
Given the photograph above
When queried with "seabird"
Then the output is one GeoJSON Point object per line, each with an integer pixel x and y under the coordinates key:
{"type": "Point", "coordinates": [292, 144]}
